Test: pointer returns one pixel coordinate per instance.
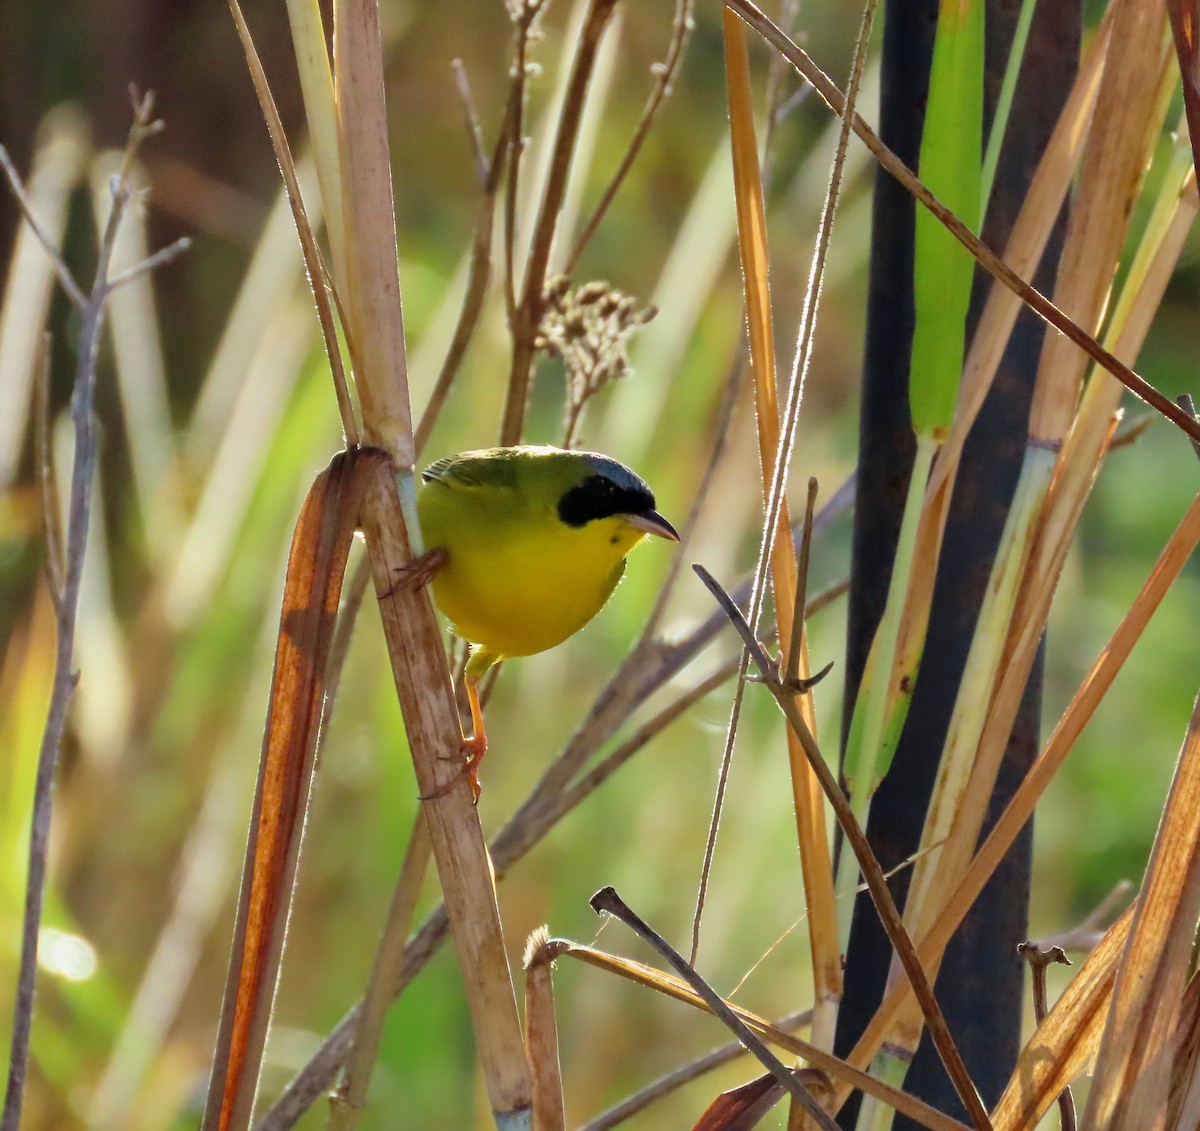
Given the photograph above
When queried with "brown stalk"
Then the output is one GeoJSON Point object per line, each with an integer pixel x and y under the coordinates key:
{"type": "Point", "coordinates": [1185, 24]}
{"type": "Point", "coordinates": [1124, 130]}
{"type": "Point", "coordinates": [372, 299]}
{"type": "Point", "coordinates": [541, 1033]}
{"type": "Point", "coordinates": [987, 258]}
{"type": "Point", "coordinates": [1133, 1071]}
{"type": "Point", "coordinates": [1038, 959]}
{"type": "Point", "coordinates": [410, 626]}
{"type": "Point", "coordinates": [528, 313]}
{"type": "Point", "coordinates": [464, 867]}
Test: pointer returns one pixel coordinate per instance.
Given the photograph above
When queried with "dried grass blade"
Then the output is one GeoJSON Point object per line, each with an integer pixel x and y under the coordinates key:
{"type": "Point", "coordinates": [1066, 1040]}
{"type": "Point", "coordinates": [741, 1108]}
{"type": "Point", "coordinates": [753, 247]}
{"type": "Point", "coordinates": [1183, 1107]}
{"type": "Point", "coordinates": [541, 1034]}
{"type": "Point", "coordinates": [316, 565]}
{"type": "Point", "coordinates": [1124, 130]}
{"type": "Point", "coordinates": [317, 276]}
{"type": "Point", "coordinates": [370, 254]}
{"type": "Point", "coordinates": [1133, 1072]}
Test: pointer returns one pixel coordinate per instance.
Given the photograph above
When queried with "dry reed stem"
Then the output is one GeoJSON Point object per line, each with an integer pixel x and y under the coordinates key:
{"type": "Point", "coordinates": [370, 254]}
{"type": "Point", "coordinates": [1021, 806]}
{"type": "Point", "coordinates": [464, 867]}
{"type": "Point", "coordinates": [1123, 134]}
{"type": "Point", "coordinates": [1133, 1070]}
{"type": "Point", "coordinates": [541, 1033]}
{"type": "Point", "coordinates": [320, 117]}
{"type": "Point", "coordinates": [752, 241]}
{"type": "Point", "coordinates": [676, 988]}
{"type": "Point", "coordinates": [1066, 1041]}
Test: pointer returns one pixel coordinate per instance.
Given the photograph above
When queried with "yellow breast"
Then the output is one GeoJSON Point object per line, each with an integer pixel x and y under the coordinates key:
{"type": "Point", "coordinates": [517, 580]}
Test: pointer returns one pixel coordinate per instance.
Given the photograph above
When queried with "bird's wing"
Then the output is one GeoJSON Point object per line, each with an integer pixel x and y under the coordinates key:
{"type": "Point", "coordinates": [471, 470]}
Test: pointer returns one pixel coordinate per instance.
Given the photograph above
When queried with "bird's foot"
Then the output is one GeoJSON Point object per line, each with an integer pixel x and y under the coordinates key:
{"type": "Point", "coordinates": [476, 747]}
{"type": "Point", "coordinates": [420, 571]}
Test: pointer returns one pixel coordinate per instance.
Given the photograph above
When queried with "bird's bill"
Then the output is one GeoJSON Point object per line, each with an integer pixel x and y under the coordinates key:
{"type": "Point", "coordinates": [653, 523]}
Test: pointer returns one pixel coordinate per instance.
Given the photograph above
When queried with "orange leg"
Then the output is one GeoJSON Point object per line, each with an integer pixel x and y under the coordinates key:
{"type": "Point", "coordinates": [476, 746]}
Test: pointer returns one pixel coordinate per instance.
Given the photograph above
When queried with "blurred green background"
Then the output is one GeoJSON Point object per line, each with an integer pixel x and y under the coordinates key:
{"type": "Point", "coordinates": [179, 616]}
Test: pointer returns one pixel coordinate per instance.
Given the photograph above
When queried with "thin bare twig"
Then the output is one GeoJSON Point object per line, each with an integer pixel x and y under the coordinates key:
{"type": "Point", "coordinates": [525, 14]}
{"type": "Point", "coordinates": [83, 469]}
{"type": "Point", "coordinates": [1038, 960]}
{"type": "Point", "coordinates": [792, 671]}
{"type": "Point", "coordinates": [681, 30]}
{"type": "Point", "coordinates": [65, 278]}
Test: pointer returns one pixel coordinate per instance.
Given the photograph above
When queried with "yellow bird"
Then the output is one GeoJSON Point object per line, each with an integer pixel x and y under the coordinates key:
{"type": "Point", "coordinates": [535, 540]}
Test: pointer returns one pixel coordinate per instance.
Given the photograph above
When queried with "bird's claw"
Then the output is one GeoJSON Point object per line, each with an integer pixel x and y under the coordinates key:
{"type": "Point", "coordinates": [420, 571]}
